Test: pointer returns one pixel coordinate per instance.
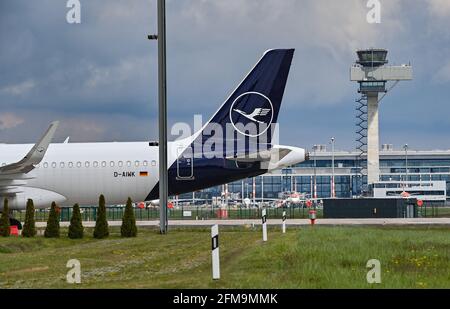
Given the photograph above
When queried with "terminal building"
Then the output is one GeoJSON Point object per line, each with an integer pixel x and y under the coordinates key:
{"type": "Point", "coordinates": [427, 175]}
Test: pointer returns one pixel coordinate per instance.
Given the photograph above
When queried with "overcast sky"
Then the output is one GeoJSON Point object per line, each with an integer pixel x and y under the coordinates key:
{"type": "Point", "coordinates": [99, 78]}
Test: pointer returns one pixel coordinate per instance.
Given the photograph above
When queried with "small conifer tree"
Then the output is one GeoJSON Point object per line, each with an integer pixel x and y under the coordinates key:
{"type": "Point", "coordinates": [76, 229]}
{"type": "Point", "coordinates": [101, 224]}
{"type": "Point", "coordinates": [128, 228]}
{"type": "Point", "coordinates": [4, 220]}
{"type": "Point", "coordinates": [52, 229]}
{"type": "Point", "coordinates": [29, 228]}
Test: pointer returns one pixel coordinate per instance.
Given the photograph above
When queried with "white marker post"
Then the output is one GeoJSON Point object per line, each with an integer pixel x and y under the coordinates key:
{"type": "Point", "coordinates": [264, 224]}
{"type": "Point", "coordinates": [284, 222]}
{"type": "Point", "coordinates": [215, 252]}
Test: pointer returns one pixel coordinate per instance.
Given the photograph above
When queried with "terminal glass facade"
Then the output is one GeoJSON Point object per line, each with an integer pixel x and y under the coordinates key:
{"type": "Point", "coordinates": [421, 165]}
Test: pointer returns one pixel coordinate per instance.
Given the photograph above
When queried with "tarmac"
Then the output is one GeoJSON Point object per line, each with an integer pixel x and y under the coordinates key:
{"type": "Point", "coordinates": [277, 222]}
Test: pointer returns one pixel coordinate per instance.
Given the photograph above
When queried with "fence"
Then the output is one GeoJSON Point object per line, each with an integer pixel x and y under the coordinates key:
{"type": "Point", "coordinates": [183, 213]}
{"type": "Point", "coordinates": [204, 213]}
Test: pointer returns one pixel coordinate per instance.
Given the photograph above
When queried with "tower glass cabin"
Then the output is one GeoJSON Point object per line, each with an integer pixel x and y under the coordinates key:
{"type": "Point", "coordinates": [372, 58]}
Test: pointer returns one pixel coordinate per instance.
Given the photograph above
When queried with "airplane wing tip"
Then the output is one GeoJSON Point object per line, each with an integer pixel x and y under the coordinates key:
{"type": "Point", "coordinates": [54, 123]}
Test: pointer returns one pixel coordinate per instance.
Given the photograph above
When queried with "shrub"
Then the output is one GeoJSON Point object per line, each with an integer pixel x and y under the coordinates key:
{"type": "Point", "coordinates": [76, 229]}
{"type": "Point", "coordinates": [52, 229]}
{"type": "Point", "coordinates": [101, 224]}
{"type": "Point", "coordinates": [128, 228]}
{"type": "Point", "coordinates": [29, 228]}
{"type": "Point", "coordinates": [4, 220]}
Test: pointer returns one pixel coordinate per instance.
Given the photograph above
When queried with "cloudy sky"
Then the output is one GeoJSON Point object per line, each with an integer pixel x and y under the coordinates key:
{"type": "Point", "coordinates": [99, 78]}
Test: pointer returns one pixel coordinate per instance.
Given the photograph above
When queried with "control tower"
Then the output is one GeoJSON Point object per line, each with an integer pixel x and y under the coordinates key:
{"type": "Point", "coordinates": [373, 74]}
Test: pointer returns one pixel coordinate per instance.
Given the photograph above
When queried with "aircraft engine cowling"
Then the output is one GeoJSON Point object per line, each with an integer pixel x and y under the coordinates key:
{"type": "Point", "coordinates": [41, 198]}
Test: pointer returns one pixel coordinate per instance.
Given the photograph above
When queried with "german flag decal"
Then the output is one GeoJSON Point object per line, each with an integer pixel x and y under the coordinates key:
{"type": "Point", "coordinates": [143, 174]}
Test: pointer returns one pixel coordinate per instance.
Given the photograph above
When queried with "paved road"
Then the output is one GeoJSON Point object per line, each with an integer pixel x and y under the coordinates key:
{"type": "Point", "coordinates": [293, 222]}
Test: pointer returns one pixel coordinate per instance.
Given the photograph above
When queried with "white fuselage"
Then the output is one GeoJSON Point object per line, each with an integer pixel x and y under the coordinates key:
{"type": "Point", "coordinates": [80, 172]}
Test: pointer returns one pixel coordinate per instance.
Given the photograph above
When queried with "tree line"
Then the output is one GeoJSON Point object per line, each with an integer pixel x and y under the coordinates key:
{"type": "Point", "coordinates": [76, 229]}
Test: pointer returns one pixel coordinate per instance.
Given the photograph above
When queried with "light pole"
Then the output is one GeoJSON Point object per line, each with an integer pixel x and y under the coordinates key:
{"type": "Point", "coordinates": [226, 195]}
{"type": "Point", "coordinates": [242, 192]}
{"type": "Point", "coordinates": [315, 172]}
{"type": "Point", "coordinates": [262, 188]}
{"type": "Point", "coordinates": [406, 165]}
{"type": "Point", "coordinates": [162, 106]}
{"type": "Point", "coordinates": [333, 191]}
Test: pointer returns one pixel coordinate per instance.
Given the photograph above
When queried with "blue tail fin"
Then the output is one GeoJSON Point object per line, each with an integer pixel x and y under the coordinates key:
{"type": "Point", "coordinates": [252, 109]}
{"type": "Point", "coordinates": [208, 158]}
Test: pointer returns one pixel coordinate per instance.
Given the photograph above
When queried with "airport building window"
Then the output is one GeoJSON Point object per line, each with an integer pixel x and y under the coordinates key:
{"type": "Point", "coordinates": [347, 179]}
{"type": "Point", "coordinates": [425, 177]}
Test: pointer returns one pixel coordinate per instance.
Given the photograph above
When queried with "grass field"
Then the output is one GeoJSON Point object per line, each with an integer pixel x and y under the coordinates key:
{"type": "Point", "coordinates": [319, 257]}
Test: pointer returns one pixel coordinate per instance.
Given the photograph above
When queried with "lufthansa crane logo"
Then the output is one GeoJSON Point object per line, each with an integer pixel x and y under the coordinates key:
{"type": "Point", "coordinates": [251, 107]}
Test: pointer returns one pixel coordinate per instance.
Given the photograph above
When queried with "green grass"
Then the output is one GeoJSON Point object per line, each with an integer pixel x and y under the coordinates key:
{"type": "Point", "coordinates": [319, 257]}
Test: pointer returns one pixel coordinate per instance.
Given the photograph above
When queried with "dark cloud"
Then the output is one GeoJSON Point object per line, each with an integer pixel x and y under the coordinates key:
{"type": "Point", "coordinates": [99, 77]}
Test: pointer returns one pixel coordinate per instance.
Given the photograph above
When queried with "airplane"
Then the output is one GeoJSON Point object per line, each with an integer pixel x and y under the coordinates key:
{"type": "Point", "coordinates": [295, 198]}
{"type": "Point", "coordinates": [69, 173]}
{"type": "Point", "coordinates": [403, 194]}
{"type": "Point", "coordinates": [172, 201]}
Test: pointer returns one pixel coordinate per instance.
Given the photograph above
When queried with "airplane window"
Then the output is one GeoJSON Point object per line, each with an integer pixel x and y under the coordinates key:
{"type": "Point", "coordinates": [153, 163]}
{"type": "Point", "coordinates": [136, 163]}
{"type": "Point", "coordinates": [53, 164]}
{"type": "Point", "coordinates": [87, 164]}
{"type": "Point", "coordinates": [120, 164]}
{"type": "Point", "coordinates": [78, 164]}
{"type": "Point", "coordinates": [111, 163]}
{"type": "Point", "coordinates": [70, 164]}
{"type": "Point", "coordinates": [95, 164]}
{"type": "Point", "coordinates": [128, 163]}
{"type": "Point", "coordinates": [61, 164]}
{"type": "Point", "coordinates": [145, 163]}
{"type": "Point", "coordinates": [103, 163]}
{"type": "Point", "coordinates": [45, 165]}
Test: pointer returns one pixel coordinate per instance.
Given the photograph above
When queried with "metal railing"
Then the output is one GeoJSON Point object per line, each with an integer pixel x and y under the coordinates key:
{"type": "Point", "coordinates": [205, 213]}
{"type": "Point", "coordinates": [182, 213]}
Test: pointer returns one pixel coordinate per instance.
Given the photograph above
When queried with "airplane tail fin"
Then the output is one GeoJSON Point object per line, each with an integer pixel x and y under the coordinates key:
{"type": "Point", "coordinates": [251, 111]}
{"type": "Point", "coordinates": [237, 141]}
